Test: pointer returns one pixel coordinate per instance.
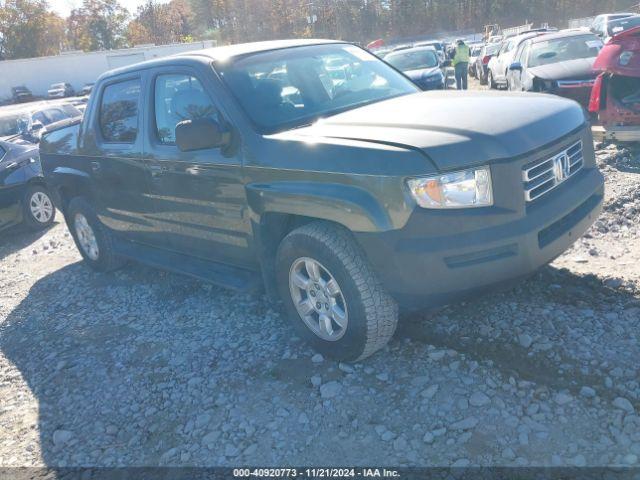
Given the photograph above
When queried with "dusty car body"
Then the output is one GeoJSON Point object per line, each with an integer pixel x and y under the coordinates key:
{"type": "Point", "coordinates": [559, 63]}
{"type": "Point", "coordinates": [615, 97]}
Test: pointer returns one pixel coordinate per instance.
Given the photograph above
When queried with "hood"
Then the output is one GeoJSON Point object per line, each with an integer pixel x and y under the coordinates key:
{"type": "Point", "coordinates": [422, 73]}
{"type": "Point", "coordinates": [579, 69]}
{"type": "Point", "coordinates": [609, 58]}
{"type": "Point", "coordinates": [456, 129]}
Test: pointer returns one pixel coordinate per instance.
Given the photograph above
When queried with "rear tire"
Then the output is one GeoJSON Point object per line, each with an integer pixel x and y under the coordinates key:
{"type": "Point", "coordinates": [93, 239]}
{"type": "Point", "coordinates": [38, 210]}
{"type": "Point", "coordinates": [331, 294]}
{"type": "Point", "coordinates": [483, 79]}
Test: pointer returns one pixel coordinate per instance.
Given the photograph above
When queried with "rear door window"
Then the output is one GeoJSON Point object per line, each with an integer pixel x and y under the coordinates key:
{"type": "Point", "coordinates": [118, 116]}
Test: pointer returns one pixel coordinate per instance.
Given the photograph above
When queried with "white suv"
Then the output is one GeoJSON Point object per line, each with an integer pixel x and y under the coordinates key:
{"type": "Point", "coordinates": [499, 63]}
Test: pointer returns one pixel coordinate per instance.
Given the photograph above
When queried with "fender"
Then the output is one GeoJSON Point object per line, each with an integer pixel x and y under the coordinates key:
{"type": "Point", "coordinates": [348, 205]}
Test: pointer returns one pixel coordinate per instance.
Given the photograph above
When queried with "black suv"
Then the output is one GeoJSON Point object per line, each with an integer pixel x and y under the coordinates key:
{"type": "Point", "coordinates": [345, 195]}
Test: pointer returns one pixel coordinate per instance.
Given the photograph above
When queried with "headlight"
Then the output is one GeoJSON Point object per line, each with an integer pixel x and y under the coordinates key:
{"type": "Point", "coordinates": [468, 188]}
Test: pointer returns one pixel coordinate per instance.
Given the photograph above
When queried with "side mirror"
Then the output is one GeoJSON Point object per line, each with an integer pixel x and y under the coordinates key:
{"type": "Point", "coordinates": [200, 134]}
{"type": "Point", "coordinates": [516, 66]}
{"type": "Point", "coordinates": [36, 126]}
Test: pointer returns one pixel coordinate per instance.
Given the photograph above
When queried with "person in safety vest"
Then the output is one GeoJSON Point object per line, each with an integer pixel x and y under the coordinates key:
{"type": "Point", "coordinates": [461, 64]}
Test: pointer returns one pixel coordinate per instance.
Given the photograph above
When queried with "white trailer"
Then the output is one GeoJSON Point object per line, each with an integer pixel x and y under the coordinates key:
{"type": "Point", "coordinates": [79, 68]}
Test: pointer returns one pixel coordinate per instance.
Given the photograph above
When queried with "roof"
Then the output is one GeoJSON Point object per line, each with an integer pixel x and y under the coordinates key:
{"type": "Point", "coordinates": [222, 53]}
{"type": "Point", "coordinates": [422, 48]}
{"type": "Point", "coordinates": [565, 34]}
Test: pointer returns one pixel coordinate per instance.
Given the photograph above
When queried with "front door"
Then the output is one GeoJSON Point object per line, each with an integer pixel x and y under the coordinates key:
{"type": "Point", "coordinates": [11, 189]}
{"type": "Point", "coordinates": [199, 195]}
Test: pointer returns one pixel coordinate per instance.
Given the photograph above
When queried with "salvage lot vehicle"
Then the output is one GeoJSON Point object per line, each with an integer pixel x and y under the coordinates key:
{"type": "Point", "coordinates": [347, 200]}
{"type": "Point", "coordinates": [21, 94]}
{"type": "Point", "coordinates": [615, 97]}
{"type": "Point", "coordinates": [498, 65]}
{"type": "Point", "coordinates": [618, 26]}
{"type": "Point", "coordinates": [421, 65]}
{"type": "Point", "coordinates": [23, 196]}
{"type": "Point", "coordinates": [600, 24]}
{"type": "Point", "coordinates": [482, 61]}
{"type": "Point", "coordinates": [473, 58]}
{"type": "Point", "coordinates": [29, 123]}
{"type": "Point", "coordinates": [559, 63]}
{"type": "Point", "coordinates": [60, 90]}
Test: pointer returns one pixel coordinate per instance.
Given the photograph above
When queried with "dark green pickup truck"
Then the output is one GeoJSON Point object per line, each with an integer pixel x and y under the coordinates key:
{"type": "Point", "coordinates": [317, 171]}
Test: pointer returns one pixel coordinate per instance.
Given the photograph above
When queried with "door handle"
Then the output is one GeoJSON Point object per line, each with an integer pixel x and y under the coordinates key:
{"type": "Point", "coordinates": [95, 167]}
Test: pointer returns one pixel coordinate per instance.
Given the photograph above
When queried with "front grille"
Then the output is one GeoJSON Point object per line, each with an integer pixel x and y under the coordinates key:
{"type": "Point", "coordinates": [543, 176]}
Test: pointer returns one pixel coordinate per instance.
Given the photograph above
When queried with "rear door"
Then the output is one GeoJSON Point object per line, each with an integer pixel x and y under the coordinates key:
{"type": "Point", "coordinates": [199, 195]}
{"type": "Point", "coordinates": [112, 151]}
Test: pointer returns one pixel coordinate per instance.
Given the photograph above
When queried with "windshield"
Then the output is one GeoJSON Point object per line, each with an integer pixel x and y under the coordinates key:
{"type": "Point", "coordinates": [492, 49]}
{"type": "Point", "coordinates": [57, 85]}
{"type": "Point", "coordinates": [564, 49]}
{"type": "Point", "coordinates": [622, 25]}
{"type": "Point", "coordinates": [291, 87]}
{"type": "Point", "coordinates": [12, 124]}
{"type": "Point", "coordinates": [413, 60]}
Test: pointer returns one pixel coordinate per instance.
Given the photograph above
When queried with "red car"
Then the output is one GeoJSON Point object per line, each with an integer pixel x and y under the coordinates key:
{"type": "Point", "coordinates": [615, 97]}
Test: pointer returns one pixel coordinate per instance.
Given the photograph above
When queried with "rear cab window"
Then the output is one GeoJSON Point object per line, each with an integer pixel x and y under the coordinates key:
{"type": "Point", "coordinates": [118, 114]}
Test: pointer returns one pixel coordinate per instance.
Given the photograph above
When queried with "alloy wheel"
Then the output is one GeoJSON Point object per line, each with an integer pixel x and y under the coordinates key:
{"type": "Point", "coordinates": [86, 237]}
{"type": "Point", "coordinates": [318, 299]}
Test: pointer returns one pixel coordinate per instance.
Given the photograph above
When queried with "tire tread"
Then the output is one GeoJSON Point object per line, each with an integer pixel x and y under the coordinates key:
{"type": "Point", "coordinates": [381, 309]}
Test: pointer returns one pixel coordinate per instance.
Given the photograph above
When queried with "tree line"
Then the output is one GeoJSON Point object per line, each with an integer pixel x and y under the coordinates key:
{"type": "Point", "coordinates": [30, 28]}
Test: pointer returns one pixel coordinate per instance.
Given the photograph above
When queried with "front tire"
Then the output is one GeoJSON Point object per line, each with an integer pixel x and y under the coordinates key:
{"type": "Point", "coordinates": [93, 239]}
{"type": "Point", "coordinates": [38, 210]}
{"type": "Point", "coordinates": [483, 78]}
{"type": "Point", "coordinates": [491, 82]}
{"type": "Point", "coordinates": [331, 293]}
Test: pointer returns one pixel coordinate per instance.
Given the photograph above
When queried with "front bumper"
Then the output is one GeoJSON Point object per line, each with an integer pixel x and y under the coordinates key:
{"type": "Point", "coordinates": [441, 256]}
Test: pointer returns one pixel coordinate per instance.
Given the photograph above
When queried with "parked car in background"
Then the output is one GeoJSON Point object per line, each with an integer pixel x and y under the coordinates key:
{"type": "Point", "coordinates": [482, 61]}
{"type": "Point", "coordinates": [498, 65]}
{"type": "Point", "coordinates": [618, 26]}
{"type": "Point", "coordinates": [28, 124]}
{"type": "Point", "coordinates": [615, 97]}
{"type": "Point", "coordinates": [420, 64]}
{"type": "Point", "coordinates": [24, 198]}
{"type": "Point", "coordinates": [600, 23]}
{"type": "Point", "coordinates": [348, 199]}
{"type": "Point", "coordinates": [60, 90]}
{"type": "Point", "coordinates": [474, 53]}
{"type": "Point", "coordinates": [86, 89]}
{"type": "Point", "coordinates": [21, 94]}
{"type": "Point", "coordinates": [437, 44]}
{"type": "Point", "coordinates": [559, 63]}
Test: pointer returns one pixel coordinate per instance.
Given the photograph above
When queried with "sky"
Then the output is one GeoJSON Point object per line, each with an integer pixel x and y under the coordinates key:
{"type": "Point", "coordinates": [63, 7]}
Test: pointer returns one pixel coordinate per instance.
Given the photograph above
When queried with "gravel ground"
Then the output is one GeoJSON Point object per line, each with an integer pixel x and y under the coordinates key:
{"type": "Point", "coordinates": [142, 367]}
